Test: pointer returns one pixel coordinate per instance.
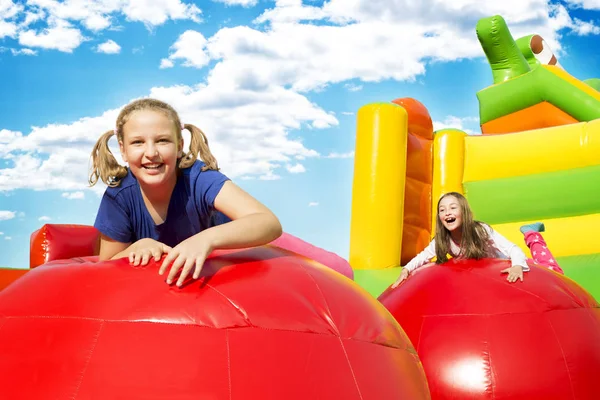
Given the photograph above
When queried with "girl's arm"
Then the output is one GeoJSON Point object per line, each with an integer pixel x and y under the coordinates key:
{"type": "Point", "coordinates": [111, 249]}
{"type": "Point", "coordinates": [138, 253]}
{"type": "Point", "coordinates": [509, 249]}
{"type": "Point", "coordinates": [253, 224]}
{"type": "Point", "coordinates": [422, 258]}
{"type": "Point", "coordinates": [419, 260]}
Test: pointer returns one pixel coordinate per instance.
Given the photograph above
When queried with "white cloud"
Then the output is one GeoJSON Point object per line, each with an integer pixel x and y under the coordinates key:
{"type": "Point", "coordinates": [309, 57]}
{"type": "Point", "coordinates": [457, 123]}
{"type": "Point", "coordinates": [156, 12]}
{"type": "Point", "coordinates": [586, 4]}
{"type": "Point", "coordinates": [7, 238]}
{"type": "Point", "coordinates": [252, 97]}
{"type": "Point", "coordinates": [313, 204]}
{"type": "Point", "coordinates": [189, 47]}
{"type": "Point", "coordinates": [9, 9]}
{"type": "Point", "coordinates": [347, 113]}
{"type": "Point", "coordinates": [350, 154]}
{"type": "Point", "coordinates": [243, 3]}
{"type": "Point", "coordinates": [59, 36]}
{"type": "Point", "coordinates": [394, 40]}
{"type": "Point", "coordinates": [7, 139]}
{"type": "Point", "coordinates": [94, 16]}
{"type": "Point", "coordinates": [286, 11]}
{"type": "Point", "coordinates": [98, 15]}
{"type": "Point", "coordinates": [352, 87]}
{"type": "Point", "coordinates": [562, 19]}
{"type": "Point", "coordinates": [6, 215]}
{"type": "Point", "coordinates": [583, 28]}
{"type": "Point", "coordinates": [44, 218]}
{"type": "Point", "coordinates": [296, 169]}
{"type": "Point", "coordinates": [166, 63]}
{"type": "Point", "coordinates": [462, 14]}
{"type": "Point", "coordinates": [73, 195]}
{"type": "Point", "coordinates": [7, 29]}
{"type": "Point", "coordinates": [109, 47]}
{"type": "Point", "coordinates": [1, 233]}
{"type": "Point", "coordinates": [25, 52]}
{"type": "Point", "coordinates": [253, 144]}
{"type": "Point", "coordinates": [32, 16]}
{"type": "Point", "coordinates": [269, 176]}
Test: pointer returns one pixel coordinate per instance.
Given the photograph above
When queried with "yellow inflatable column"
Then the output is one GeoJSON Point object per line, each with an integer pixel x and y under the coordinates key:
{"type": "Point", "coordinates": [448, 166]}
{"type": "Point", "coordinates": [378, 186]}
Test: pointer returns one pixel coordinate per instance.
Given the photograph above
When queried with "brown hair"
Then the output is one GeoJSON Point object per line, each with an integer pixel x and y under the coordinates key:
{"type": "Point", "coordinates": [474, 241]}
{"type": "Point", "coordinates": [106, 167]}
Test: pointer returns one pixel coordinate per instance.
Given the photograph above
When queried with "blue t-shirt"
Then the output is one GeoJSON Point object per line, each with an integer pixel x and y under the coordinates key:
{"type": "Point", "coordinates": [123, 216]}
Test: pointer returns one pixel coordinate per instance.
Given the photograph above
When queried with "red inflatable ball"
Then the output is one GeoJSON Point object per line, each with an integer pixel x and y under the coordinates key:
{"type": "Point", "coordinates": [260, 323]}
{"type": "Point", "coordinates": [481, 337]}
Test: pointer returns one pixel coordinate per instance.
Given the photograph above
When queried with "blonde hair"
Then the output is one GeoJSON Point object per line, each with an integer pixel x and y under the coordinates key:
{"type": "Point", "coordinates": [105, 166]}
{"type": "Point", "coordinates": [474, 241]}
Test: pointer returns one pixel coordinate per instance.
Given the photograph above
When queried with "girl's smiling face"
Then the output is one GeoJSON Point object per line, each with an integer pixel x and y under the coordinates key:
{"type": "Point", "coordinates": [450, 213]}
{"type": "Point", "coordinates": [151, 148]}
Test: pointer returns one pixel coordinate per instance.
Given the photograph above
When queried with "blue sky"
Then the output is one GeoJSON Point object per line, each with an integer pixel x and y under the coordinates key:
{"type": "Point", "coordinates": [274, 84]}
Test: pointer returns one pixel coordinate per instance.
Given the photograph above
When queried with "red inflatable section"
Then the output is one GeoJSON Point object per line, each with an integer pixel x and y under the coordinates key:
{"type": "Point", "coordinates": [260, 323]}
{"type": "Point", "coordinates": [481, 337]}
{"type": "Point", "coordinates": [9, 275]}
{"type": "Point", "coordinates": [60, 241]}
{"type": "Point", "coordinates": [56, 242]}
{"type": "Point", "coordinates": [327, 258]}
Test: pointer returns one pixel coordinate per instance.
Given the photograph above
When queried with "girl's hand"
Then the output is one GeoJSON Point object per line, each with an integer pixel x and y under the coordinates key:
{"type": "Point", "coordinates": [187, 255]}
{"type": "Point", "coordinates": [403, 276]}
{"type": "Point", "coordinates": [142, 250]}
{"type": "Point", "coordinates": [515, 272]}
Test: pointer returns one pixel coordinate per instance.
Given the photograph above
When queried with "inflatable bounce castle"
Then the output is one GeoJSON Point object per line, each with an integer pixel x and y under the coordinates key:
{"type": "Point", "coordinates": [537, 159]}
{"type": "Point", "coordinates": [292, 321]}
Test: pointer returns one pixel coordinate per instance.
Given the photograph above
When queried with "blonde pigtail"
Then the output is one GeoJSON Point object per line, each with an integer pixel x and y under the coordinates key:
{"type": "Point", "coordinates": [104, 163]}
{"type": "Point", "coordinates": [198, 146]}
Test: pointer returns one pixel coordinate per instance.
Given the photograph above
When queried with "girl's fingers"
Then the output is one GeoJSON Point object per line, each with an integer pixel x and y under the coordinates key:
{"type": "Point", "coordinates": [156, 253]}
{"type": "Point", "coordinates": [145, 257]}
{"type": "Point", "coordinates": [177, 264]}
{"type": "Point", "coordinates": [136, 259]}
{"type": "Point", "coordinates": [172, 255]}
{"type": "Point", "coordinates": [198, 267]}
{"type": "Point", "coordinates": [187, 267]}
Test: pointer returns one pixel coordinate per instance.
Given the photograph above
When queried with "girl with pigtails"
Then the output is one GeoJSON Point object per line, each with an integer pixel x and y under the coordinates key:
{"type": "Point", "coordinates": [166, 200]}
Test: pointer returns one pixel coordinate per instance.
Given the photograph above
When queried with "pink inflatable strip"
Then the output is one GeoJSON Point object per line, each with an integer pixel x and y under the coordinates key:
{"type": "Point", "coordinates": [327, 258]}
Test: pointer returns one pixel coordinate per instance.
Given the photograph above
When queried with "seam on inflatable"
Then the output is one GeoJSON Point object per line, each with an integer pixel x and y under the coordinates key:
{"type": "Point", "coordinates": [420, 332]}
{"type": "Point", "coordinates": [337, 331]}
{"type": "Point", "coordinates": [489, 357]}
{"type": "Point", "coordinates": [564, 358]}
{"type": "Point", "coordinates": [87, 362]}
{"type": "Point", "coordinates": [207, 327]}
{"type": "Point", "coordinates": [240, 310]}
{"type": "Point", "coordinates": [594, 320]}
{"type": "Point", "coordinates": [351, 369]}
{"type": "Point", "coordinates": [514, 286]}
{"type": "Point", "coordinates": [228, 364]}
